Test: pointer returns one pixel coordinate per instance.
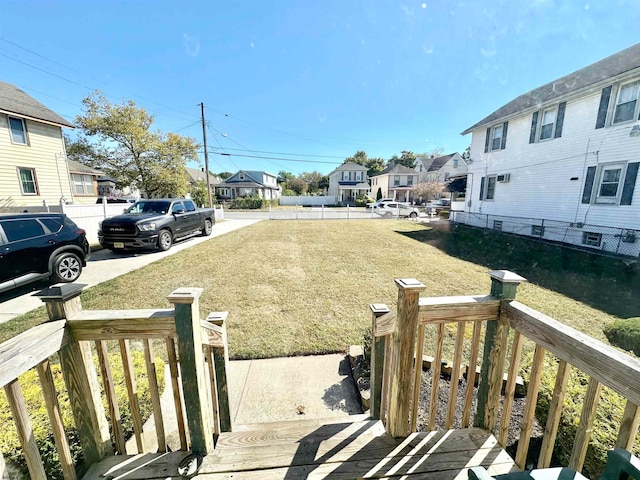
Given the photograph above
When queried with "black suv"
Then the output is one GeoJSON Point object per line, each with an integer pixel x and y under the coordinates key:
{"type": "Point", "coordinates": [38, 246]}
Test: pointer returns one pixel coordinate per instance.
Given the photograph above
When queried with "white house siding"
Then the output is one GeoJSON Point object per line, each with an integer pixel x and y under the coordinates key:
{"type": "Point", "coordinates": [45, 154]}
{"type": "Point", "coordinates": [540, 186]}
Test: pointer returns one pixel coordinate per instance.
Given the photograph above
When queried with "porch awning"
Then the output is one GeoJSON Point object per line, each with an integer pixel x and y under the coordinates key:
{"type": "Point", "coordinates": [357, 186]}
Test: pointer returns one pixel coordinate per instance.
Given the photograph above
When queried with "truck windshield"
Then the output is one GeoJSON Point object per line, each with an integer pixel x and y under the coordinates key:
{"type": "Point", "coordinates": [153, 206]}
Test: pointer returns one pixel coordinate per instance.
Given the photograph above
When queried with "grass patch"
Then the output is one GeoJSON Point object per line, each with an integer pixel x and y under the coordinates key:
{"type": "Point", "coordinates": [303, 287]}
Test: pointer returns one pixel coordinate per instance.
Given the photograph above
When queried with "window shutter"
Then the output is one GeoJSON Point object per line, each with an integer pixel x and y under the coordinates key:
{"type": "Point", "coordinates": [588, 184]}
{"type": "Point", "coordinates": [534, 124]}
{"type": "Point", "coordinates": [504, 135]}
{"type": "Point", "coordinates": [560, 119]}
{"type": "Point", "coordinates": [482, 188]}
{"type": "Point", "coordinates": [604, 106]}
{"type": "Point", "coordinates": [487, 140]}
{"type": "Point", "coordinates": [629, 183]}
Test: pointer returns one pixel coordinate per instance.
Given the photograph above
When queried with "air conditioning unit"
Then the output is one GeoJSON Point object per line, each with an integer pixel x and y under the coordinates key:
{"type": "Point", "coordinates": [504, 178]}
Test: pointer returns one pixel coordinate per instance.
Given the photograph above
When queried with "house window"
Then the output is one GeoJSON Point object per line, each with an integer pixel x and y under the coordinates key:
{"type": "Point", "coordinates": [83, 184]}
{"type": "Point", "coordinates": [410, 180]}
{"type": "Point", "coordinates": [497, 225]}
{"type": "Point", "coordinates": [18, 130]}
{"type": "Point", "coordinates": [591, 239]}
{"type": "Point", "coordinates": [609, 183]}
{"type": "Point", "coordinates": [446, 176]}
{"type": "Point", "coordinates": [490, 188]}
{"type": "Point", "coordinates": [627, 103]}
{"type": "Point", "coordinates": [455, 163]}
{"type": "Point", "coordinates": [241, 176]}
{"type": "Point", "coordinates": [548, 124]}
{"type": "Point", "coordinates": [537, 230]}
{"type": "Point", "coordinates": [396, 180]}
{"type": "Point", "coordinates": [496, 137]}
{"type": "Point", "coordinates": [28, 183]}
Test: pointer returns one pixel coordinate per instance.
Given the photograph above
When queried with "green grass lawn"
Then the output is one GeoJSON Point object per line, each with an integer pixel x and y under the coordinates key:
{"type": "Point", "coordinates": [303, 287]}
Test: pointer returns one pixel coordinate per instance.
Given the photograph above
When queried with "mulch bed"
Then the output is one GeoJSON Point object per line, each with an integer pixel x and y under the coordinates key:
{"type": "Point", "coordinates": [361, 377]}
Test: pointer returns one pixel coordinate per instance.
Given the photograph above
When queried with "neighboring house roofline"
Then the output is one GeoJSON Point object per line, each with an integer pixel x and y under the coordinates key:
{"type": "Point", "coordinates": [14, 101]}
{"type": "Point", "coordinates": [396, 169]}
{"type": "Point", "coordinates": [77, 167]}
{"type": "Point", "coordinates": [590, 78]}
{"type": "Point", "coordinates": [349, 166]}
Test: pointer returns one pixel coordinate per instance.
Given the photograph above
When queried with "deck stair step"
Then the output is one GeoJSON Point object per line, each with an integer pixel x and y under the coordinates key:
{"type": "Point", "coordinates": [329, 448]}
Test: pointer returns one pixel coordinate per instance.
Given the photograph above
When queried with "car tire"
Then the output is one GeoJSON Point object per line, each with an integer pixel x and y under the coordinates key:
{"type": "Point", "coordinates": [165, 240]}
{"type": "Point", "coordinates": [67, 267]}
{"type": "Point", "coordinates": [413, 215]}
{"type": "Point", "coordinates": [207, 228]}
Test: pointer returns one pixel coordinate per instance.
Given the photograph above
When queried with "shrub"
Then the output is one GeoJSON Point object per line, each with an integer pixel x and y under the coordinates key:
{"type": "Point", "coordinates": [367, 340]}
{"type": "Point", "coordinates": [361, 201]}
{"type": "Point", "coordinates": [250, 203]}
{"type": "Point", "coordinates": [30, 385]}
{"type": "Point", "coordinates": [625, 334]}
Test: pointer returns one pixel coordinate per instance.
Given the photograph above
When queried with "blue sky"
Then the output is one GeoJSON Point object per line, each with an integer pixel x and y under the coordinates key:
{"type": "Point", "coordinates": [307, 81]}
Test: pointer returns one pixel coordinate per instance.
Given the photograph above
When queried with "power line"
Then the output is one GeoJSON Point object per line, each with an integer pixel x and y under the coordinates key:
{"type": "Point", "coordinates": [78, 83]}
{"type": "Point", "coordinates": [275, 158]}
{"type": "Point", "coordinates": [292, 154]}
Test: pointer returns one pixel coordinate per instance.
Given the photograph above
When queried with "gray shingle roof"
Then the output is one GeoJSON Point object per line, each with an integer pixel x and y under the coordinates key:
{"type": "Point", "coordinates": [350, 166]}
{"type": "Point", "coordinates": [77, 167]}
{"type": "Point", "coordinates": [396, 168]}
{"type": "Point", "coordinates": [14, 100]}
{"type": "Point", "coordinates": [590, 76]}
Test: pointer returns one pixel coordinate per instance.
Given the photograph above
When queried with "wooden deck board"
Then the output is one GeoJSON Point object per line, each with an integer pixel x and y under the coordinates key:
{"type": "Point", "coordinates": [297, 450]}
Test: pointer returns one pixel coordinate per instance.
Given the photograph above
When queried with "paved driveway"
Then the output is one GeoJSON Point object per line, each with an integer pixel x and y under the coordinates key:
{"type": "Point", "coordinates": [105, 265]}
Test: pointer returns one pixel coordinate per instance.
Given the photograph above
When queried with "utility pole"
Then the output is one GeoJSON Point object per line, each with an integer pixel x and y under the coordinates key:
{"type": "Point", "coordinates": [206, 156]}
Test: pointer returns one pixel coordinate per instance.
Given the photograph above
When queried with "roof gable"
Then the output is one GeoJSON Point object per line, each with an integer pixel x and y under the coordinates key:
{"type": "Point", "coordinates": [14, 100]}
{"type": "Point", "coordinates": [590, 76]}
{"type": "Point", "coordinates": [350, 167]}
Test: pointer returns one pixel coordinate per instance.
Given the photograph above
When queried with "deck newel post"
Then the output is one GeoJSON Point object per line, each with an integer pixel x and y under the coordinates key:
{"type": "Point", "coordinates": [63, 301]}
{"type": "Point", "coordinates": [403, 346]}
{"type": "Point", "coordinates": [504, 285]}
{"type": "Point", "coordinates": [192, 368]}
{"type": "Point", "coordinates": [221, 365]}
{"type": "Point", "coordinates": [378, 345]}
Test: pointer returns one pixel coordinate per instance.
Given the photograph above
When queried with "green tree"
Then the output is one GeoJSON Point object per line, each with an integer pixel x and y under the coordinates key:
{"type": "Point", "coordinates": [132, 154]}
{"type": "Point", "coordinates": [225, 175]}
{"type": "Point", "coordinates": [298, 185]}
{"type": "Point", "coordinates": [199, 193]}
{"type": "Point", "coordinates": [466, 155]}
{"type": "Point", "coordinates": [379, 194]}
{"type": "Point", "coordinates": [374, 165]}
{"type": "Point", "coordinates": [406, 158]}
{"type": "Point", "coordinates": [284, 177]}
{"type": "Point", "coordinates": [314, 181]}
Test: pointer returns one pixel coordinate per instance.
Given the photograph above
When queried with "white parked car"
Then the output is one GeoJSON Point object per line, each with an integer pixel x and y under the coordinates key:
{"type": "Point", "coordinates": [374, 205]}
{"type": "Point", "coordinates": [397, 209]}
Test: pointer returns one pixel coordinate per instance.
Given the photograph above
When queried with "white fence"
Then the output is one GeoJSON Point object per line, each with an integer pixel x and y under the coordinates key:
{"type": "Point", "coordinates": [308, 200]}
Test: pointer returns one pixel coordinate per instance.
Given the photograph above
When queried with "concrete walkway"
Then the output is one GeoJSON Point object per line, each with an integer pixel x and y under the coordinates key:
{"type": "Point", "coordinates": [105, 265]}
{"type": "Point", "coordinates": [272, 390]}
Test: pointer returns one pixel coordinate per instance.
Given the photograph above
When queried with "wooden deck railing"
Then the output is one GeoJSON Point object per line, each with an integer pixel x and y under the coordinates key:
{"type": "Point", "coordinates": [197, 356]}
{"type": "Point", "coordinates": [399, 339]}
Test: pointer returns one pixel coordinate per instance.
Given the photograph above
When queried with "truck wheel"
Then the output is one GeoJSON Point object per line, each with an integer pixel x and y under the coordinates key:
{"type": "Point", "coordinates": [165, 240]}
{"type": "Point", "coordinates": [413, 215]}
{"type": "Point", "coordinates": [206, 229]}
{"type": "Point", "coordinates": [67, 267]}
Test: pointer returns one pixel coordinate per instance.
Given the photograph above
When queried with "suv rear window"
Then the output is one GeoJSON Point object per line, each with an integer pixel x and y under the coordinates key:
{"type": "Point", "coordinates": [52, 224]}
{"type": "Point", "coordinates": [17, 230]}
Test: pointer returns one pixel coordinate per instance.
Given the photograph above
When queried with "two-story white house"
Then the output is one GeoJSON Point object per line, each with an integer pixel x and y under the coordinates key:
{"type": "Point", "coordinates": [248, 183]}
{"type": "Point", "coordinates": [33, 164]}
{"type": "Point", "coordinates": [396, 181]}
{"type": "Point", "coordinates": [561, 161]}
{"type": "Point", "coordinates": [347, 182]}
{"type": "Point", "coordinates": [440, 169]}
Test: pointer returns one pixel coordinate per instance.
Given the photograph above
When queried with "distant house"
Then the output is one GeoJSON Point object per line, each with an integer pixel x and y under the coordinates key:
{"type": "Point", "coordinates": [84, 182]}
{"type": "Point", "coordinates": [247, 183]}
{"type": "Point", "coordinates": [561, 162]}
{"type": "Point", "coordinates": [395, 181]}
{"type": "Point", "coordinates": [199, 175]}
{"type": "Point", "coordinates": [33, 166]}
{"type": "Point", "coordinates": [440, 169]}
{"type": "Point", "coordinates": [347, 182]}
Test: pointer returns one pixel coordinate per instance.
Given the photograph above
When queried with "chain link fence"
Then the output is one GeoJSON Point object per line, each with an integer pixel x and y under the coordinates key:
{"type": "Point", "coordinates": [620, 241]}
